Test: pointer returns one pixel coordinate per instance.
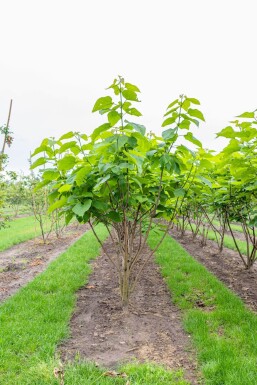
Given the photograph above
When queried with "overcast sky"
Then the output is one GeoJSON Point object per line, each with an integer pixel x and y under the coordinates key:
{"type": "Point", "coordinates": [58, 56]}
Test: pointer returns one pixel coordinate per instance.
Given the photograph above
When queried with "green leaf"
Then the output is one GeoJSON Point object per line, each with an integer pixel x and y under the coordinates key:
{"type": "Point", "coordinates": [193, 100]}
{"type": "Point", "coordinates": [186, 104]}
{"type": "Point", "coordinates": [185, 124]}
{"type": "Point", "coordinates": [99, 205]}
{"type": "Point", "coordinates": [126, 165]}
{"type": "Point", "coordinates": [114, 216]}
{"type": "Point", "coordinates": [186, 117]}
{"type": "Point", "coordinates": [56, 205]}
{"type": "Point", "coordinates": [133, 111]}
{"type": "Point", "coordinates": [132, 87]}
{"type": "Point", "coordinates": [130, 95]}
{"type": "Point", "coordinates": [171, 133]}
{"type": "Point", "coordinates": [102, 180]}
{"type": "Point", "coordinates": [115, 87]}
{"type": "Point", "coordinates": [179, 192]}
{"type": "Point", "coordinates": [65, 188]}
{"type": "Point", "coordinates": [103, 103]}
{"type": "Point", "coordinates": [51, 175]}
{"type": "Point", "coordinates": [121, 141]}
{"type": "Point", "coordinates": [80, 208]}
{"type": "Point", "coordinates": [68, 217]}
{"type": "Point", "coordinates": [67, 146]}
{"type": "Point", "coordinates": [227, 132]}
{"type": "Point", "coordinates": [169, 121]}
{"type": "Point", "coordinates": [41, 185]}
{"type": "Point", "coordinates": [99, 130]}
{"type": "Point", "coordinates": [137, 182]}
{"type": "Point", "coordinates": [170, 111]}
{"type": "Point", "coordinates": [75, 150]}
{"type": "Point", "coordinates": [151, 153]}
{"type": "Point", "coordinates": [43, 148]}
{"type": "Point", "coordinates": [68, 135]}
{"type": "Point", "coordinates": [246, 115]}
{"type": "Point", "coordinates": [196, 114]}
{"type": "Point", "coordinates": [172, 104]}
{"type": "Point", "coordinates": [126, 106]}
{"type": "Point", "coordinates": [66, 163]}
{"type": "Point", "coordinates": [137, 127]}
{"type": "Point", "coordinates": [233, 146]}
{"type": "Point", "coordinates": [113, 118]}
{"type": "Point", "coordinates": [189, 136]}
{"type": "Point", "coordinates": [81, 174]}
{"type": "Point", "coordinates": [205, 181]}
{"type": "Point", "coordinates": [136, 159]}
{"type": "Point", "coordinates": [38, 162]}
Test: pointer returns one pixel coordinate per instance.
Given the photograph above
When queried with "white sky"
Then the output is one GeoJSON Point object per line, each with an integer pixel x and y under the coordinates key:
{"type": "Point", "coordinates": [58, 56]}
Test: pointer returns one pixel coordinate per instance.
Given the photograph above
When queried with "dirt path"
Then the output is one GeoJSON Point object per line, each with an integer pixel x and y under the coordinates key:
{"type": "Point", "coordinates": [21, 263]}
{"type": "Point", "coordinates": [227, 266]}
{"type": "Point", "coordinates": [151, 331]}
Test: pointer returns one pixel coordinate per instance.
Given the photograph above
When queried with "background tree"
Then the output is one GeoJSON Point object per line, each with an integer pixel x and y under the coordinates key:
{"type": "Point", "coordinates": [238, 162]}
{"type": "Point", "coordinates": [6, 134]}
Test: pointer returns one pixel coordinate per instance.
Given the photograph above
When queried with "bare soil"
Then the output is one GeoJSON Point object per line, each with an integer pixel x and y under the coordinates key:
{"type": "Point", "coordinates": [150, 331]}
{"type": "Point", "coordinates": [227, 266]}
{"type": "Point", "coordinates": [21, 263]}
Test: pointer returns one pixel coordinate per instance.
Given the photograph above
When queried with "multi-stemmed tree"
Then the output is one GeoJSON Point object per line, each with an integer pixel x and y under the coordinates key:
{"type": "Point", "coordinates": [123, 177]}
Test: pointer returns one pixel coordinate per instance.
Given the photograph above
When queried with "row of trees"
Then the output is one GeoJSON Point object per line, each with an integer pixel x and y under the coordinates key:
{"type": "Point", "coordinates": [17, 192]}
{"type": "Point", "coordinates": [228, 191]}
{"type": "Point", "coordinates": [20, 198]}
{"type": "Point", "coordinates": [129, 179]}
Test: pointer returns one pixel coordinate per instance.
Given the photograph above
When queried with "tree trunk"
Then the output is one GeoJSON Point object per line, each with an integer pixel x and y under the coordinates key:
{"type": "Point", "coordinates": [124, 288]}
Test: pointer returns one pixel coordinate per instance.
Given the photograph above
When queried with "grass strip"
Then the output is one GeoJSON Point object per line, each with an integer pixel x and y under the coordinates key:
{"type": "Point", "coordinates": [19, 230]}
{"type": "Point", "coordinates": [82, 373]}
{"type": "Point", "coordinates": [223, 330]}
{"type": "Point", "coordinates": [228, 241]}
{"type": "Point", "coordinates": [233, 226]}
{"type": "Point", "coordinates": [35, 320]}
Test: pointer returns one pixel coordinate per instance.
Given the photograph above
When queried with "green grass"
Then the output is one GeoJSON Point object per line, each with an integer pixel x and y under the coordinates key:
{"type": "Point", "coordinates": [19, 230]}
{"type": "Point", "coordinates": [35, 320]}
{"type": "Point", "coordinates": [224, 332]}
{"type": "Point", "coordinates": [23, 210]}
{"type": "Point", "coordinates": [228, 241]}
{"type": "Point", "coordinates": [137, 374]}
{"type": "Point", "coordinates": [233, 226]}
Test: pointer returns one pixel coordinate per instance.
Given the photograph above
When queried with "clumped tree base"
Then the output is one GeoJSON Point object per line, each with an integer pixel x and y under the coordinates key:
{"type": "Point", "coordinates": [151, 331]}
{"type": "Point", "coordinates": [129, 257]}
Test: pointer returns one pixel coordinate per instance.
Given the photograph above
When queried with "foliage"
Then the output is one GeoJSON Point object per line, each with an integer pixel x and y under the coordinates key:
{"type": "Point", "coordinates": [17, 188]}
{"type": "Point", "coordinates": [228, 193]}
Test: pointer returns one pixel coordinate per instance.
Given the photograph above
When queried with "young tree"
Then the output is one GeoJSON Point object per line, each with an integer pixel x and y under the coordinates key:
{"type": "Point", "coordinates": [123, 177]}
{"type": "Point", "coordinates": [17, 192]}
{"type": "Point", "coordinates": [238, 167]}
{"type": "Point", "coordinates": [7, 140]}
